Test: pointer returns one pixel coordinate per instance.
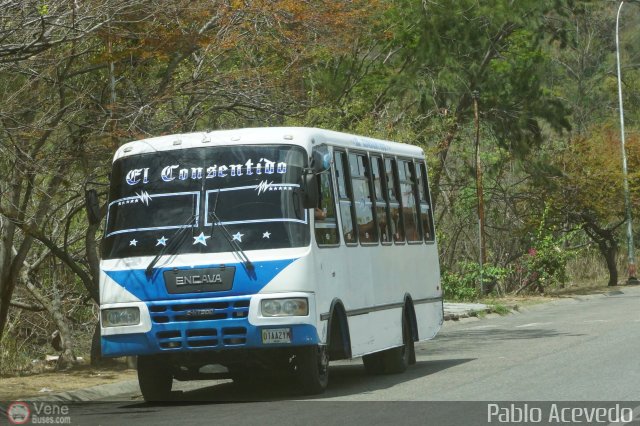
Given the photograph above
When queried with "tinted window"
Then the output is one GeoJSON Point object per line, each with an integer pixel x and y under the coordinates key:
{"type": "Point", "coordinates": [367, 231]}
{"type": "Point", "coordinates": [326, 222]}
{"type": "Point", "coordinates": [344, 198]}
{"type": "Point", "coordinates": [381, 206]}
{"type": "Point", "coordinates": [393, 196]}
{"type": "Point", "coordinates": [426, 215]}
{"type": "Point", "coordinates": [409, 192]}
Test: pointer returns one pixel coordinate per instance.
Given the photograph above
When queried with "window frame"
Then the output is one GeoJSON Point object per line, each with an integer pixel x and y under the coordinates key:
{"type": "Point", "coordinates": [366, 177]}
{"type": "Point", "coordinates": [424, 182]}
{"type": "Point", "coordinates": [412, 181]}
{"type": "Point", "coordinates": [384, 200]}
{"type": "Point", "coordinates": [396, 190]}
{"type": "Point", "coordinates": [333, 190]}
{"type": "Point", "coordinates": [346, 170]}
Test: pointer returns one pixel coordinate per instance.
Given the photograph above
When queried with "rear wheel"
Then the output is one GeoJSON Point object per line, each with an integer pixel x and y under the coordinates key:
{"type": "Point", "coordinates": [373, 363]}
{"type": "Point", "coordinates": [311, 369]}
{"type": "Point", "coordinates": [396, 360]}
{"type": "Point", "coordinates": [155, 378]}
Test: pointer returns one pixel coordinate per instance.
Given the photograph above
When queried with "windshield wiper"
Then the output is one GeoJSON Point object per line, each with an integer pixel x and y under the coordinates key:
{"type": "Point", "coordinates": [178, 237]}
{"type": "Point", "coordinates": [234, 245]}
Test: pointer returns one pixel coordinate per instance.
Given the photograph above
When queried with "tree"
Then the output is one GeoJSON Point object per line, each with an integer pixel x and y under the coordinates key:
{"type": "Point", "coordinates": [78, 79]}
{"type": "Point", "coordinates": [586, 190]}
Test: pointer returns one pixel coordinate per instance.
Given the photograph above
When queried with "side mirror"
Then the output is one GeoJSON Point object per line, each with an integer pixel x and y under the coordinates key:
{"type": "Point", "coordinates": [320, 159]}
{"type": "Point", "coordinates": [309, 190]}
{"type": "Point", "coordinates": [92, 205]}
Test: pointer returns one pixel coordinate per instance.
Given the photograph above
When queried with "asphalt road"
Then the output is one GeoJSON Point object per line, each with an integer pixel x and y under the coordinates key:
{"type": "Point", "coordinates": [580, 349]}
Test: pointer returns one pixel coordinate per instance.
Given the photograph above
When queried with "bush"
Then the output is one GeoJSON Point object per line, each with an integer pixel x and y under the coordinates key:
{"type": "Point", "coordinates": [545, 263]}
{"type": "Point", "coordinates": [464, 284]}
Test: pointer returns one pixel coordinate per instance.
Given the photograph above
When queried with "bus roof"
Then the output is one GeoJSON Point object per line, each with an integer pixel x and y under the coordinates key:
{"type": "Point", "coordinates": [302, 136]}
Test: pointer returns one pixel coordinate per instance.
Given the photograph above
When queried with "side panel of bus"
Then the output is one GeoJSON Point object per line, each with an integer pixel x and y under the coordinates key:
{"type": "Point", "coordinates": [371, 279]}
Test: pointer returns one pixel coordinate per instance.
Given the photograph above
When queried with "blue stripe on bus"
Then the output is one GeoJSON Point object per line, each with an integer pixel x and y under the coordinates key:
{"type": "Point", "coordinates": [188, 339]}
{"type": "Point", "coordinates": [151, 289]}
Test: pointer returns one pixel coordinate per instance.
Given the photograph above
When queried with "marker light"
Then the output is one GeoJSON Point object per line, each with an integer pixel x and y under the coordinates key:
{"type": "Point", "coordinates": [284, 307]}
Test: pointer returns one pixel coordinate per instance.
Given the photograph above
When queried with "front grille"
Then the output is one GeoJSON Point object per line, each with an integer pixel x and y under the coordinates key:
{"type": "Point", "coordinates": [202, 334]}
{"type": "Point", "coordinates": [202, 338]}
{"type": "Point", "coordinates": [232, 336]}
{"type": "Point", "coordinates": [167, 312]}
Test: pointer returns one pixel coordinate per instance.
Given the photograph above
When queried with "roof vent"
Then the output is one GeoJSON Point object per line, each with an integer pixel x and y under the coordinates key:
{"type": "Point", "coordinates": [178, 142]}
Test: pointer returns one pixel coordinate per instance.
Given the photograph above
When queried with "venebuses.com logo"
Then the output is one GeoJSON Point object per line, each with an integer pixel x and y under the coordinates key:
{"type": "Point", "coordinates": [20, 413]}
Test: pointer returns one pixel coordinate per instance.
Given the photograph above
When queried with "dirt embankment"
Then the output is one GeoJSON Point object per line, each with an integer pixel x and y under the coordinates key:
{"type": "Point", "coordinates": [39, 385]}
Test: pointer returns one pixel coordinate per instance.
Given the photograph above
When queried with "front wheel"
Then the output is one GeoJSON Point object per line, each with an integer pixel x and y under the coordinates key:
{"type": "Point", "coordinates": [155, 378]}
{"type": "Point", "coordinates": [312, 369]}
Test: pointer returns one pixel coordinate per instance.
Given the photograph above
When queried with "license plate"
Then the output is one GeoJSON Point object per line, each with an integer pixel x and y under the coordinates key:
{"type": "Point", "coordinates": [276, 335]}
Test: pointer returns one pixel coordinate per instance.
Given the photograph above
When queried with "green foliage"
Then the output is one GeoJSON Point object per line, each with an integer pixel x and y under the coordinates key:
{"type": "Point", "coordinates": [500, 309]}
{"type": "Point", "coordinates": [464, 284]}
{"type": "Point", "coordinates": [43, 8]}
{"type": "Point", "coordinates": [545, 263]}
{"type": "Point", "coordinates": [494, 47]}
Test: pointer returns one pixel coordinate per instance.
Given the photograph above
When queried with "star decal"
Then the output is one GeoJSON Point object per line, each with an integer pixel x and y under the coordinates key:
{"type": "Point", "coordinates": [266, 235]}
{"type": "Point", "coordinates": [238, 237]}
{"type": "Point", "coordinates": [162, 241]}
{"type": "Point", "coordinates": [133, 242]}
{"type": "Point", "coordinates": [201, 239]}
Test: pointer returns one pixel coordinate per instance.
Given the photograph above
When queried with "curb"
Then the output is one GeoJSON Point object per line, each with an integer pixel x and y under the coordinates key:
{"type": "Point", "coordinates": [456, 311]}
{"type": "Point", "coordinates": [91, 393]}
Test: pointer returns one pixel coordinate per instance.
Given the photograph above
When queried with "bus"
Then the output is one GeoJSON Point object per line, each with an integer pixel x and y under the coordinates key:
{"type": "Point", "coordinates": [268, 252]}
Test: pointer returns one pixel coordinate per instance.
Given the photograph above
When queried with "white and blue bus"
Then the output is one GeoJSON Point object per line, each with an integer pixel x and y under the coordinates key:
{"type": "Point", "coordinates": [267, 250]}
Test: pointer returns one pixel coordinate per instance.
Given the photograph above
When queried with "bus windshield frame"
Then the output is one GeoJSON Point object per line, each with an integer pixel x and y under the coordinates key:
{"type": "Point", "coordinates": [252, 189]}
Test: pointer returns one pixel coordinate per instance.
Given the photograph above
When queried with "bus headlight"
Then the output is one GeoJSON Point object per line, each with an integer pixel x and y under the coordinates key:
{"type": "Point", "coordinates": [284, 307]}
{"type": "Point", "coordinates": [119, 317]}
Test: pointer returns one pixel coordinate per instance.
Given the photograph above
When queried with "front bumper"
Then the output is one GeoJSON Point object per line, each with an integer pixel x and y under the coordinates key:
{"type": "Point", "coordinates": [205, 325]}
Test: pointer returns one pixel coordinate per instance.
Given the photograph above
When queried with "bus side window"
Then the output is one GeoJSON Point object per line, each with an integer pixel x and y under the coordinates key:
{"type": "Point", "coordinates": [345, 198]}
{"type": "Point", "coordinates": [382, 208]}
{"type": "Point", "coordinates": [359, 166]}
{"type": "Point", "coordinates": [425, 203]}
{"type": "Point", "coordinates": [326, 222]}
{"type": "Point", "coordinates": [408, 184]}
{"type": "Point", "coordinates": [393, 195]}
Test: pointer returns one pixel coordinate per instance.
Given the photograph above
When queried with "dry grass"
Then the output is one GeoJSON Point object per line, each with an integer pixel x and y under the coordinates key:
{"type": "Point", "coordinates": [39, 385]}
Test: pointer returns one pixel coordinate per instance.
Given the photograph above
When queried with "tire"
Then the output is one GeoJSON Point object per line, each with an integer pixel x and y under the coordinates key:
{"type": "Point", "coordinates": [397, 360]}
{"type": "Point", "coordinates": [312, 369]}
{"type": "Point", "coordinates": [155, 379]}
{"type": "Point", "coordinates": [373, 363]}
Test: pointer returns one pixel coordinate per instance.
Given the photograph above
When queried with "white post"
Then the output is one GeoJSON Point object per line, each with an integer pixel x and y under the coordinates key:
{"type": "Point", "coordinates": [631, 265]}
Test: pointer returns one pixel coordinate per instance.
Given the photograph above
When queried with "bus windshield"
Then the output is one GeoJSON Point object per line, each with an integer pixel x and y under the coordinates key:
{"type": "Point", "coordinates": [252, 190]}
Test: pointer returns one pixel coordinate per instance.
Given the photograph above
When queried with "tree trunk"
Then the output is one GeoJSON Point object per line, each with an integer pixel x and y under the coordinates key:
{"type": "Point", "coordinates": [610, 254]}
{"type": "Point", "coordinates": [96, 348]}
{"type": "Point", "coordinates": [607, 244]}
{"type": "Point", "coordinates": [54, 308]}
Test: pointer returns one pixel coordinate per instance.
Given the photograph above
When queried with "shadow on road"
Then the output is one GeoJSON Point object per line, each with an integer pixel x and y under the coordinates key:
{"type": "Point", "coordinates": [470, 339]}
{"type": "Point", "coordinates": [345, 380]}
